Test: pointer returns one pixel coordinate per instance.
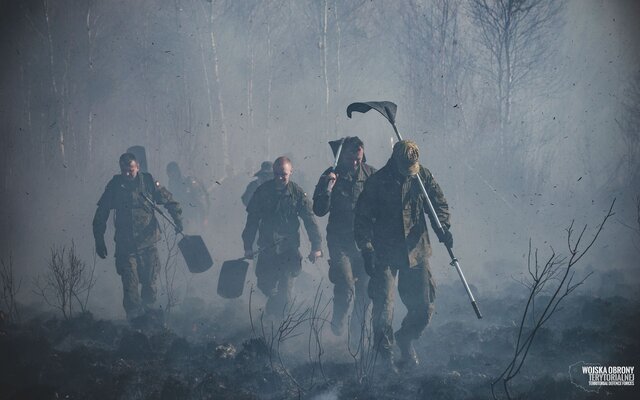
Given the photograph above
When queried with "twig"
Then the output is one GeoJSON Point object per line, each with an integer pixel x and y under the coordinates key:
{"type": "Point", "coordinates": [557, 271]}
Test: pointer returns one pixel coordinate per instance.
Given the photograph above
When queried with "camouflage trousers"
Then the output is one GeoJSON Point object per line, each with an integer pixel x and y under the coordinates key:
{"type": "Point", "coordinates": [276, 275]}
{"type": "Point", "coordinates": [346, 272]}
{"type": "Point", "coordinates": [139, 272]}
{"type": "Point", "coordinates": [417, 291]}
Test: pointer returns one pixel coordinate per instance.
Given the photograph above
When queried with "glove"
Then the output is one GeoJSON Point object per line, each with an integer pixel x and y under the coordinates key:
{"type": "Point", "coordinates": [446, 237]}
{"type": "Point", "coordinates": [248, 254]}
{"type": "Point", "coordinates": [178, 226]}
{"type": "Point", "coordinates": [369, 262]}
{"type": "Point", "coordinates": [101, 248]}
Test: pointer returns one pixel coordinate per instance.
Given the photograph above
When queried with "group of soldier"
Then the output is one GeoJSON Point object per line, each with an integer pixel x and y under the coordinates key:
{"type": "Point", "coordinates": [376, 233]}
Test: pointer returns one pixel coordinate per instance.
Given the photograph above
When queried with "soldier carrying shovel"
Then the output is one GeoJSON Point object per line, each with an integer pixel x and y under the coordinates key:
{"type": "Point", "coordinates": [137, 231]}
{"type": "Point", "coordinates": [336, 194]}
{"type": "Point", "coordinates": [274, 212]}
{"type": "Point", "coordinates": [391, 231]}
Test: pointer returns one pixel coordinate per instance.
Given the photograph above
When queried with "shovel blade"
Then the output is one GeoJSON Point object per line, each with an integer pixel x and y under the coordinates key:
{"type": "Point", "coordinates": [195, 253]}
{"type": "Point", "coordinates": [386, 108]}
{"type": "Point", "coordinates": [233, 276]}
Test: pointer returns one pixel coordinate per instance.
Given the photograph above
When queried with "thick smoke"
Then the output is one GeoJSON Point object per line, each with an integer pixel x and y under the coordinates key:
{"type": "Point", "coordinates": [220, 86]}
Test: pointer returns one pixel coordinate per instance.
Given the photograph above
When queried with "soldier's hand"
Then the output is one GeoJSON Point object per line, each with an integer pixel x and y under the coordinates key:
{"type": "Point", "coordinates": [248, 254]}
{"type": "Point", "coordinates": [331, 181]}
{"type": "Point", "coordinates": [446, 237]}
{"type": "Point", "coordinates": [101, 248]}
{"type": "Point", "coordinates": [178, 226]}
{"type": "Point", "coordinates": [314, 255]}
{"type": "Point", "coordinates": [369, 262]}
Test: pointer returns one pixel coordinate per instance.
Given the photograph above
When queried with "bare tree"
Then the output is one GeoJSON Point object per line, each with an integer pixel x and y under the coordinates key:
{"type": "Point", "coordinates": [364, 351]}
{"type": "Point", "coordinates": [628, 168]}
{"type": "Point", "coordinates": [275, 332]}
{"type": "Point", "coordinates": [10, 288]}
{"type": "Point", "coordinates": [170, 269]}
{"type": "Point", "coordinates": [435, 61]}
{"type": "Point", "coordinates": [554, 278]}
{"type": "Point", "coordinates": [67, 281]}
{"type": "Point", "coordinates": [635, 226]}
{"type": "Point", "coordinates": [318, 319]}
{"type": "Point", "coordinates": [516, 41]}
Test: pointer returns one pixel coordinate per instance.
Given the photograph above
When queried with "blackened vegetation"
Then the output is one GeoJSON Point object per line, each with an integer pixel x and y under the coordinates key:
{"type": "Point", "coordinates": [67, 281]}
{"type": "Point", "coordinates": [96, 359]}
{"type": "Point", "coordinates": [200, 352]}
{"type": "Point", "coordinates": [93, 359]}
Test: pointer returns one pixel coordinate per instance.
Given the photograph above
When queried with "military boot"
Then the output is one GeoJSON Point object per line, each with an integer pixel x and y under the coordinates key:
{"type": "Point", "coordinates": [408, 353]}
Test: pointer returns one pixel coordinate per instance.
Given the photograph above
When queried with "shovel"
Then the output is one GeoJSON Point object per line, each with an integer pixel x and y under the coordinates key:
{"type": "Point", "coordinates": [192, 247]}
{"type": "Point", "coordinates": [388, 110]}
{"type": "Point", "coordinates": [233, 274]}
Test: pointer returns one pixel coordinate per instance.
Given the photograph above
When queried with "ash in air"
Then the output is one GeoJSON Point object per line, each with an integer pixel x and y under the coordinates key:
{"type": "Point", "coordinates": [319, 199]}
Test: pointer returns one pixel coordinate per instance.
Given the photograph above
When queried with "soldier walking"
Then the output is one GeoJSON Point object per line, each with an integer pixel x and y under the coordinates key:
{"type": "Point", "coordinates": [336, 193]}
{"type": "Point", "coordinates": [391, 231]}
{"type": "Point", "coordinates": [137, 232]}
{"type": "Point", "coordinates": [273, 213]}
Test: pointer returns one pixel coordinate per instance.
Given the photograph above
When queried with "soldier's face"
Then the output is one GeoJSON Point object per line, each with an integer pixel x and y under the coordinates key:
{"type": "Point", "coordinates": [282, 173]}
{"type": "Point", "coordinates": [353, 156]}
{"type": "Point", "coordinates": [130, 171]}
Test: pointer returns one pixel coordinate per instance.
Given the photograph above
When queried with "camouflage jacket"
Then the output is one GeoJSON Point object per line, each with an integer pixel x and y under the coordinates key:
{"type": "Point", "coordinates": [341, 201]}
{"type": "Point", "coordinates": [389, 216]}
{"type": "Point", "coordinates": [135, 221]}
{"type": "Point", "coordinates": [274, 215]}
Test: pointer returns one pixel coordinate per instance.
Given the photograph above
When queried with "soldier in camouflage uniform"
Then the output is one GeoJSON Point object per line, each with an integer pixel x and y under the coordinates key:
{"type": "Point", "coordinates": [137, 231]}
{"type": "Point", "coordinates": [391, 231]}
{"type": "Point", "coordinates": [336, 193]}
{"type": "Point", "coordinates": [191, 194]}
{"type": "Point", "coordinates": [273, 212]}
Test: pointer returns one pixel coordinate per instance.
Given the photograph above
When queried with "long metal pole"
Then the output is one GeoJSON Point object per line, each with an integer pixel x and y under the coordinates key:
{"type": "Point", "coordinates": [454, 260]}
{"type": "Point", "coordinates": [155, 207]}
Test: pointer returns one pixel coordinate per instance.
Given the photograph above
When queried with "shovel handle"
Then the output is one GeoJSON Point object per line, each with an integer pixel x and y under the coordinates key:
{"type": "Point", "coordinates": [260, 250]}
{"type": "Point", "coordinates": [156, 208]}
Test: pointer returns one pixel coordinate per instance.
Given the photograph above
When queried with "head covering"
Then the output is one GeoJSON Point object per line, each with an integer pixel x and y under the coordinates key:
{"type": "Point", "coordinates": [349, 141]}
{"type": "Point", "coordinates": [266, 169]}
{"type": "Point", "coordinates": [405, 155]}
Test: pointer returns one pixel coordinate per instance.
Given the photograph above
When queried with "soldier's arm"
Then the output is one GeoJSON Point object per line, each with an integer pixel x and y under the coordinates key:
{"type": "Point", "coordinates": [364, 218]}
{"type": "Point", "coordinates": [438, 201]}
{"type": "Point", "coordinates": [253, 221]}
{"type": "Point", "coordinates": [310, 225]}
{"type": "Point", "coordinates": [161, 195]}
{"type": "Point", "coordinates": [321, 196]}
{"type": "Point", "coordinates": [105, 204]}
{"type": "Point", "coordinates": [100, 222]}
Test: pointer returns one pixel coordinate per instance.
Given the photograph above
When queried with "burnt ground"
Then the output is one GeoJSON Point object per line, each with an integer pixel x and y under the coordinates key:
{"type": "Point", "coordinates": [194, 355]}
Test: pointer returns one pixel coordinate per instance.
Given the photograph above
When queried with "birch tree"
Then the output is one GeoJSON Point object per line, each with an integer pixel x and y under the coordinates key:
{"type": "Point", "coordinates": [516, 41]}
